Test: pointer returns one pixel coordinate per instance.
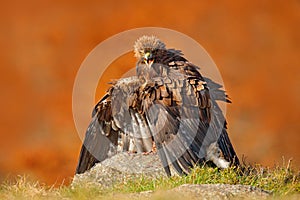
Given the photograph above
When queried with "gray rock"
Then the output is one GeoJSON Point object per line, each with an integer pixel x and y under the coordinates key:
{"type": "Point", "coordinates": [121, 167]}
{"type": "Point", "coordinates": [220, 191]}
{"type": "Point", "coordinates": [124, 166]}
{"type": "Point", "coordinates": [204, 191]}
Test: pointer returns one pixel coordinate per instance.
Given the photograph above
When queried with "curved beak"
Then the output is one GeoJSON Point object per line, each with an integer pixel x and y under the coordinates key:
{"type": "Point", "coordinates": [148, 58]}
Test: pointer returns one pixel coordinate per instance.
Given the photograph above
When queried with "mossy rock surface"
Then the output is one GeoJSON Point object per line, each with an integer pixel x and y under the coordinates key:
{"type": "Point", "coordinates": [124, 166]}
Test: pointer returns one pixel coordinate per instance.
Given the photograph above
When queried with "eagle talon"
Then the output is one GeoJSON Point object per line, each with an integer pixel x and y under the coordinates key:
{"type": "Point", "coordinates": [148, 153]}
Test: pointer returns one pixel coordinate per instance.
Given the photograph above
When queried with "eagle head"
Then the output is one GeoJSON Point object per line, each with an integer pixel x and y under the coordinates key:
{"type": "Point", "coordinates": [145, 48]}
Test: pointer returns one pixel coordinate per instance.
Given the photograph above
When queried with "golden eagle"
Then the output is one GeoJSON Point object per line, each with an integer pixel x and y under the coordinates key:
{"type": "Point", "coordinates": [168, 108]}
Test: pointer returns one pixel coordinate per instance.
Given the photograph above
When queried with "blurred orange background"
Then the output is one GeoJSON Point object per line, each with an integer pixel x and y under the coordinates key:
{"type": "Point", "coordinates": [255, 44]}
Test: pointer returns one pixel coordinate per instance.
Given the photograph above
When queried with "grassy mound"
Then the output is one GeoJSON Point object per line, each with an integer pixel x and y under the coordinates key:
{"type": "Point", "coordinates": [280, 181]}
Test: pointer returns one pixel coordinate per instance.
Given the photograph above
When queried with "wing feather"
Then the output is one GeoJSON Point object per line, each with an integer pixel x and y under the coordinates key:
{"type": "Point", "coordinates": [100, 140]}
{"type": "Point", "coordinates": [184, 118]}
